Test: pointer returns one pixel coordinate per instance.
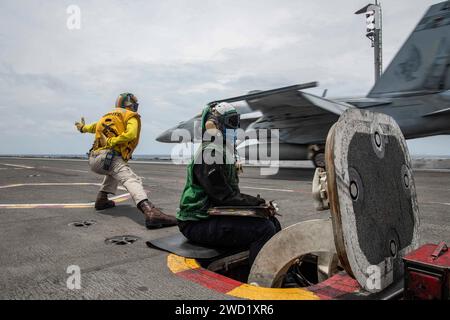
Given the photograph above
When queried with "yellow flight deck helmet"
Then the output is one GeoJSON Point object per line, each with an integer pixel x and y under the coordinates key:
{"type": "Point", "coordinates": [127, 100]}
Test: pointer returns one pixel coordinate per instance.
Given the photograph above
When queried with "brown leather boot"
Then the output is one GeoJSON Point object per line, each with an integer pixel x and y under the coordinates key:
{"type": "Point", "coordinates": [102, 201]}
{"type": "Point", "coordinates": [155, 218]}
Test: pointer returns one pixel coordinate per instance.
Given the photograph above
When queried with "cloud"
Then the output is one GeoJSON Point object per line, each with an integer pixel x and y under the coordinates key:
{"type": "Point", "coordinates": [175, 55]}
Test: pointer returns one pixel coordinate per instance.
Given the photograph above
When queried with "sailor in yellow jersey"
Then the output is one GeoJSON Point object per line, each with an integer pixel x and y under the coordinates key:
{"type": "Point", "coordinates": [116, 136]}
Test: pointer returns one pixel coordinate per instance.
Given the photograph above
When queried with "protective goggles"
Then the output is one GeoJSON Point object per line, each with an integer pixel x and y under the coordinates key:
{"type": "Point", "coordinates": [135, 106]}
{"type": "Point", "coordinates": [231, 121]}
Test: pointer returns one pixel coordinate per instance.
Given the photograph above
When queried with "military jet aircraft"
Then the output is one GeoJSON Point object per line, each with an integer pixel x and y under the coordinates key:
{"type": "Point", "coordinates": [414, 90]}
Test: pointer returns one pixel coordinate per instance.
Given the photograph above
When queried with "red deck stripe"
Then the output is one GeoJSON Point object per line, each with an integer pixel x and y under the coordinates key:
{"type": "Point", "coordinates": [210, 279]}
{"type": "Point", "coordinates": [336, 286]}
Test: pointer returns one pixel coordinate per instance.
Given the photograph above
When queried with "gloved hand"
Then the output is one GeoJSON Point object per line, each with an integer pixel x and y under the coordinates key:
{"type": "Point", "coordinates": [273, 209]}
{"type": "Point", "coordinates": [80, 124]}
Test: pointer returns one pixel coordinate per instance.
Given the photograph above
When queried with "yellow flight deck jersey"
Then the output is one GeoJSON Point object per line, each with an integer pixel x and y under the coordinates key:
{"type": "Point", "coordinates": [127, 130]}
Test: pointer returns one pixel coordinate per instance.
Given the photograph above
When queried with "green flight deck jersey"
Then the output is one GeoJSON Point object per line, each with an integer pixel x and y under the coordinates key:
{"type": "Point", "coordinates": [195, 201]}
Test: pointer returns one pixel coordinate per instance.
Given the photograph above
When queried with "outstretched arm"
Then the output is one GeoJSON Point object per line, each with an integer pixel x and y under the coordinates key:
{"type": "Point", "coordinates": [83, 127]}
{"type": "Point", "coordinates": [89, 128]}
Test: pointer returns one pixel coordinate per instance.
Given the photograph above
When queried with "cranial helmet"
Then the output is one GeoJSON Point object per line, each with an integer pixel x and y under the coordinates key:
{"type": "Point", "coordinates": [127, 100]}
{"type": "Point", "coordinates": [226, 115]}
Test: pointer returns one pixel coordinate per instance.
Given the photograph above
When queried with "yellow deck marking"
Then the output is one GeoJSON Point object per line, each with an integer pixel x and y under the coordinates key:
{"type": "Point", "coordinates": [247, 291]}
{"type": "Point", "coordinates": [119, 198]}
{"type": "Point", "coordinates": [54, 184]}
{"type": "Point", "coordinates": [178, 264]}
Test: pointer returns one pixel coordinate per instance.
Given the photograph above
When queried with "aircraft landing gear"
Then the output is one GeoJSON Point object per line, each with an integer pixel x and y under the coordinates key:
{"type": "Point", "coordinates": [316, 153]}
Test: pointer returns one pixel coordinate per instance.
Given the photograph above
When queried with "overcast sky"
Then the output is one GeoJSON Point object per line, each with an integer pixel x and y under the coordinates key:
{"type": "Point", "coordinates": [176, 56]}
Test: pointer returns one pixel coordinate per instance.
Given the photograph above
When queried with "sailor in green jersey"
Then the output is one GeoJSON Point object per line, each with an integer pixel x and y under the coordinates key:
{"type": "Point", "coordinates": [212, 181]}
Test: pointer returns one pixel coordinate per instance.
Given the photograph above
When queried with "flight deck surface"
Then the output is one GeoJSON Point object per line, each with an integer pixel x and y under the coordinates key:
{"type": "Point", "coordinates": [41, 198]}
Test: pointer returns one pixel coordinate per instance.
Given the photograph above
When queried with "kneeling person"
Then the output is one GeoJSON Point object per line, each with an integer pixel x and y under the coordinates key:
{"type": "Point", "coordinates": [116, 137]}
{"type": "Point", "coordinates": [216, 184]}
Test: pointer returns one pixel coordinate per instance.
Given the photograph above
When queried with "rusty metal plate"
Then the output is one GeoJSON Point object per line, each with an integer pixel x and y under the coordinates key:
{"type": "Point", "coordinates": [372, 197]}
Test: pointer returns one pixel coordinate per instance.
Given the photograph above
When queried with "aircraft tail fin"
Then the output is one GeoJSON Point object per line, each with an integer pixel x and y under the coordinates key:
{"type": "Point", "coordinates": [423, 62]}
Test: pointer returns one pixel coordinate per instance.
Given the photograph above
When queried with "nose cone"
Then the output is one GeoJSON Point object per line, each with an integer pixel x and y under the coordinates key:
{"type": "Point", "coordinates": [165, 137]}
{"type": "Point", "coordinates": [181, 133]}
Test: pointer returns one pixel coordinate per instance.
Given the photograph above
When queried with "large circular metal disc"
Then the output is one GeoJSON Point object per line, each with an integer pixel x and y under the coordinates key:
{"type": "Point", "coordinates": [291, 243]}
{"type": "Point", "coordinates": [372, 197]}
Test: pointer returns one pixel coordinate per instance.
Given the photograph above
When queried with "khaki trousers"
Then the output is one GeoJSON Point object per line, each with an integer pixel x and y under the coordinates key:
{"type": "Point", "coordinates": [119, 172]}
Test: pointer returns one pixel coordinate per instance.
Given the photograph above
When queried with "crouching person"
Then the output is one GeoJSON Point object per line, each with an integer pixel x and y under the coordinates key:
{"type": "Point", "coordinates": [116, 137]}
{"type": "Point", "coordinates": [215, 183]}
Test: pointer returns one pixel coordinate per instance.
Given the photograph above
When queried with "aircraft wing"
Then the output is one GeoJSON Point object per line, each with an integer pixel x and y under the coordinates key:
{"type": "Point", "coordinates": [301, 102]}
{"type": "Point", "coordinates": [301, 117]}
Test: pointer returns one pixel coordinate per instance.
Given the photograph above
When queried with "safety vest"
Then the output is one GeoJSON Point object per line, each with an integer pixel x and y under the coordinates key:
{"type": "Point", "coordinates": [112, 125]}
